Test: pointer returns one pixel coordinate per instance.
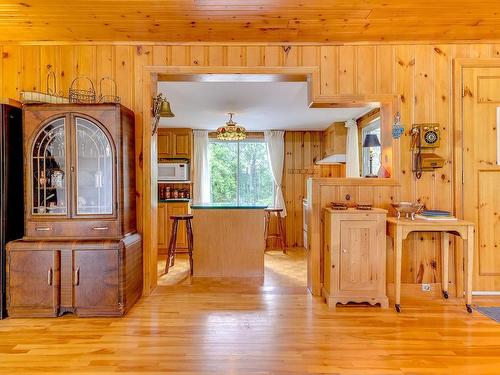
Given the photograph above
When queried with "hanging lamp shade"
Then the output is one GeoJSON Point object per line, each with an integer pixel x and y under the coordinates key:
{"type": "Point", "coordinates": [231, 131]}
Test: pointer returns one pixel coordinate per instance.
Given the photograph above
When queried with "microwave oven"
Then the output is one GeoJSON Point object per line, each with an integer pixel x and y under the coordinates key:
{"type": "Point", "coordinates": [173, 171]}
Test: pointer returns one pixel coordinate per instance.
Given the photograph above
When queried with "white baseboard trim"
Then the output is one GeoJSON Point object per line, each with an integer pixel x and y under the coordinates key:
{"type": "Point", "coordinates": [485, 293]}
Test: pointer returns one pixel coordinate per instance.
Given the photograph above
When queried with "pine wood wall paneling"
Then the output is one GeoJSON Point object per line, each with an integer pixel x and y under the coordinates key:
{"type": "Point", "coordinates": [298, 187]}
{"type": "Point", "coordinates": [216, 55]}
{"type": "Point", "coordinates": [366, 73]}
{"type": "Point", "coordinates": [235, 55]}
{"type": "Point", "coordinates": [385, 73]}
{"type": "Point", "coordinates": [427, 256]}
{"type": "Point", "coordinates": [397, 69]}
{"type": "Point", "coordinates": [254, 56]}
{"type": "Point", "coordinates": [161, 55]}
{"type": "Point", "coordinates": [12, 68]}
{"type": "Point", "coordinates": [50, 60]}
{"type": "Point", "coordinates": [67, 71]}
{"type": "Point", "coordinates": [329, 70]}
{"type": "Point", "coordinates": [124, 73]}
{"type": "Point", "coordinates": [291, 55]}
{"type": "Point", "coordinates": [30, 73]}
{"type": "Point", "coordinates": [105, 64]}
{"type": "Point", "coordinates": [346, 73]}
{"type": "Point", "coordinates": [180, 55]}
{"type": "Point", "coordinates": [288, 188]}
{"type": "Point", "coordinates": [198, 56]}
{"type": "Point", "coordinates": [273, 56]}
{"type": "Point", "coordinates": [443, 114]}
{"type": "Point", "coordinates": [302, 149]}
{"type": "Point", "coordinates": [405, 73]}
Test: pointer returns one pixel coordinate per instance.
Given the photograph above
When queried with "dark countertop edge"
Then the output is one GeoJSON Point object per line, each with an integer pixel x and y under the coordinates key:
{"type": "Point", "coordinates": [215, 207]}
{"type": "Point", "coordinates": [174, 200]}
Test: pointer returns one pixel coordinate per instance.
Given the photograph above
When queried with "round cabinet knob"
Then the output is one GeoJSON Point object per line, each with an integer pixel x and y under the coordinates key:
{"type": "Point", "coordinates": [344, 251]}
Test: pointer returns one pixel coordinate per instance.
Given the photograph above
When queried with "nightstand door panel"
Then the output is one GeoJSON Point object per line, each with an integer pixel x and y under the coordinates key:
{"type": "Point", "coordinates": [358, 250]}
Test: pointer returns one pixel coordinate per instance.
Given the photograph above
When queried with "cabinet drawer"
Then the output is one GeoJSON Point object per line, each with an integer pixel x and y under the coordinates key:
{"type": "Point", "coordinates": [73, 229]}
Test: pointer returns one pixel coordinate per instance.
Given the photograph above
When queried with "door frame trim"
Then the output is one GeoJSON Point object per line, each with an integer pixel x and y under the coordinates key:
{"type": "Point", "coordinates": [146, 146]}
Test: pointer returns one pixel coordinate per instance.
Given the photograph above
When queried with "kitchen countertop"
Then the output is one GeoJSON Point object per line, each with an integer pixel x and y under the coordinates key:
{"type": "Point", "coordinates": [220, 206]}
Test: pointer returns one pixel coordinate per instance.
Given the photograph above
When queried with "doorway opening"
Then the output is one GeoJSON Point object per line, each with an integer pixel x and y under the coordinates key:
{"type": "Point", "coordinates": [240, 172]}
{"type": "Point", "coordinates": [154, 76]}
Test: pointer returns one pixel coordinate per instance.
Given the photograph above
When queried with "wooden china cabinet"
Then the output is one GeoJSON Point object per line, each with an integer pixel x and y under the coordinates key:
{"type": "Point", "coordinates": [80, 252]}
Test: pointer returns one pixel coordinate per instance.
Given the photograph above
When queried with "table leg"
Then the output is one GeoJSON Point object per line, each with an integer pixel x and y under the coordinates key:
{"type": "Point", "coordinates": [398, 249]}
{"type": "Point", "coordinates": [445, 254]}
{"type": "Point", "coordinates": [468, 257]}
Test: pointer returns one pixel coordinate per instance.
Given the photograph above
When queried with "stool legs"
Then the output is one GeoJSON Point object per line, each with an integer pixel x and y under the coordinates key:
{"type": "Point", "coordinates": [171, 246]}
{"type": "Point", "coordinates": [280, 235]}
{"type": "Point", "coordinates": [190, 245]}
{"type": "Point", "coordinates": [173, 243]}
{"type": "Point", "coordinates": [266, 229]}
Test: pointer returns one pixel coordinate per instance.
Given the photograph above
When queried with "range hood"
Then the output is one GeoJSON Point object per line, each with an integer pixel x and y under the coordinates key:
{"type": "Point", "coordinates": [332, 159]}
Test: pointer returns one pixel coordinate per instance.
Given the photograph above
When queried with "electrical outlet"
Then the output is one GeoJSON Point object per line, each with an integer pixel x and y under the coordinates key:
{"type": "Point", "coordinates": [426, 287]}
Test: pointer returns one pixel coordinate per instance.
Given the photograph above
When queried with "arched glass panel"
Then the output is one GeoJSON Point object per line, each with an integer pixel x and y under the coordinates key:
{"type": "Point", "coordinates": [49, 170]}
{"type": "Point", "coordinates": [94, 170]}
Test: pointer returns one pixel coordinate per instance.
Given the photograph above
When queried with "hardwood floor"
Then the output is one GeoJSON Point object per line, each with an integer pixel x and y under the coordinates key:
{"type": "Point", "coordinates": [230, 327]}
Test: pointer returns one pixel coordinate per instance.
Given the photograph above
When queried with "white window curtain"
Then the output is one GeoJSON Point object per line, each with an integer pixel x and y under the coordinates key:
{"type": "Point", "coordinates": [201, 177]}
{"type": "Point", "coordinates": [275, 142]}
{"type": "Point", "coordinates": [352, 149]}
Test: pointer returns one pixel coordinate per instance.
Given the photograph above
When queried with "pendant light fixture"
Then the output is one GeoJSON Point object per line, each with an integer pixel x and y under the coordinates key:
{"type": "Point", "coordinates": [231, 131]}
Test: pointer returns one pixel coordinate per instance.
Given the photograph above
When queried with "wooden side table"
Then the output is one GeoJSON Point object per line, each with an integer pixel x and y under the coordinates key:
{"type": "Point", "coordinates": [398, 230]}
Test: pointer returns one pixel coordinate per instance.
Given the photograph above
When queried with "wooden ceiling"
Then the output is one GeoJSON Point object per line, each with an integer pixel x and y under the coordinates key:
{"type": "Point", "coordinates": [249, 20]}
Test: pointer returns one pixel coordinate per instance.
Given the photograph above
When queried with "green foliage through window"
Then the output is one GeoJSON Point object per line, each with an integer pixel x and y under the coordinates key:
{"type": "Point", "coordinates": [240, 173]}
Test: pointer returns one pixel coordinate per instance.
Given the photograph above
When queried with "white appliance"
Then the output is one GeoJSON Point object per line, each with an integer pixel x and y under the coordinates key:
{"type": "Point", "coordinates": [332, 159]}
{"type": "Point", "coordinates": [173, 171]}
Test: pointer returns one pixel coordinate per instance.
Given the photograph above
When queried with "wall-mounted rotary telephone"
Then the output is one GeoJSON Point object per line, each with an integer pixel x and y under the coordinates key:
{"type": "Point", "coordinates": [425, 136]}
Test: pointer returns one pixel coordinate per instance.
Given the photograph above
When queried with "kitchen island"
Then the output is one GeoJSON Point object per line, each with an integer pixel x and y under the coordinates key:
{"type": "Point", "coordinates": [228, 241]}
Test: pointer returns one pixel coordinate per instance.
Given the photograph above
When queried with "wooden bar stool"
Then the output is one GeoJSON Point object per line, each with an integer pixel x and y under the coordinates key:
{"type": "Point", "coordinates": [281, 232]}
{"type": "Point", "coordinates": [173, 241]}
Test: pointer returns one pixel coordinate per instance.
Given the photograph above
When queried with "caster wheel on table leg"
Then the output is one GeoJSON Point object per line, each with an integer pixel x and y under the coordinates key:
{"type": "Point", "coordinates": [445, 294]}
{"type": "Point", "coordinates": [398, 308]}
{"type": "Point", "coordinates": [469, 308]}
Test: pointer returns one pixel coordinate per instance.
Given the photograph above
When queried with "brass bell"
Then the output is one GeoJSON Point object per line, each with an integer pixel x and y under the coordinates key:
{"type": "Point", "coordinates": [165, 110]}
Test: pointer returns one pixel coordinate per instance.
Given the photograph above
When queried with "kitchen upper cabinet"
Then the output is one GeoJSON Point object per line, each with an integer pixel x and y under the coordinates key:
{"type": "Point", "coordinates": [165, 149]}
{"type": "Point", "coordinates": [355, 256]}
{"type": "Point", "coordinates": [34, 283]}
{"type": "Point", "coordinates": [174, 143]}
{"type": "Point", "coordinates": [334, 139]}
{"type": "Point", "coordinates": [182, 144]}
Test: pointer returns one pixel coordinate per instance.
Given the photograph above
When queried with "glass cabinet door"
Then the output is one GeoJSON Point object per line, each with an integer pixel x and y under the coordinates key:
{"type": "Point", "coordinates": [49, 170]}
{"type": "Point", "coordinates": [94, 167]}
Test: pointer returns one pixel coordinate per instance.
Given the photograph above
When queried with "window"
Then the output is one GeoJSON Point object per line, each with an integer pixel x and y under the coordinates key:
{"type": "Point", "coordinates": [240, 173]}
{"type": "Point", "coordinates": [372, 128]}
